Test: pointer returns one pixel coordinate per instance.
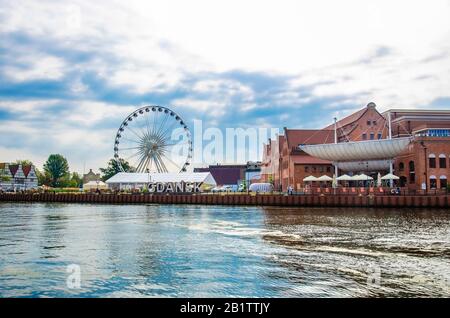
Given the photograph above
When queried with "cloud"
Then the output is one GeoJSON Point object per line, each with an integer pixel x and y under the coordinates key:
{"type": "Point", "coordinates": [71, 71]}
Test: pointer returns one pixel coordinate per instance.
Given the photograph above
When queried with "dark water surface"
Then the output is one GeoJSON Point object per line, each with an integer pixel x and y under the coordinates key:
{"type": "Point", "coordinates": [220, 251]}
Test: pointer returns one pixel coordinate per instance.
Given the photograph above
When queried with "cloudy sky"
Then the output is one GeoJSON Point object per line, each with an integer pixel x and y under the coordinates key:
{"type": "Point", "coordinates": [70, 71]}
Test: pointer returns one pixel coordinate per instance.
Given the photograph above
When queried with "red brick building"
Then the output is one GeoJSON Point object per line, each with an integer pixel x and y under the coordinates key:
{"type": "Point", "coordinates": [425, 161]}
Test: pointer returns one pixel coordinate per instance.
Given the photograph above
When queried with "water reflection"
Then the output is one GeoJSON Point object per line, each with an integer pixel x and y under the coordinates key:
{"type": "Point", "coordinates": [217, 251]}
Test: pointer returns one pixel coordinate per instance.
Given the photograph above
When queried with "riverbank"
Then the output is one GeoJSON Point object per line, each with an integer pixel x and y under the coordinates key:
{"type": "Point", "coordinates": [430, 201]}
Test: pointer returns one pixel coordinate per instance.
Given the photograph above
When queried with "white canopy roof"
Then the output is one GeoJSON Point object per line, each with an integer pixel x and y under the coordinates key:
{"type": "Point", "coordinates": [359, 150]}
{"type": "Point", "coordinates": [390, 176]}
{"type": "Point", "coordinates": [124, 177]}
{"type": "Point", "coordinates": [324, 178]}
{"type": "Point", "coordinates": [362, 177]}
{"type": "Point", "coordinates": [95, 183]}
{"type": "Point", "coordinates": [344, 178]}
{"type": "Point", "coordinates": [310, 178]}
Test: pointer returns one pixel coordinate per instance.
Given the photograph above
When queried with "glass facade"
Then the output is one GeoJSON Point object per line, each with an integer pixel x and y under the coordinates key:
{"type": "Point", "coordinates": [435, 133]}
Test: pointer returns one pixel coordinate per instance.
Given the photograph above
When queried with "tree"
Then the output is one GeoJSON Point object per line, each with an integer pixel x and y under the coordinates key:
{"type": "Point", "coordinates": [56, 167]}
{"type": "Point", "coordinates": [76, 180]}
{"type": "Point", "coordinates": [43, 178]}
{"type": "Point", "coordinates": [4, 177]}
{"type": "Point", "coordinates": [25, 162]}
{"type": "Point", "coordinates": [113, 168]}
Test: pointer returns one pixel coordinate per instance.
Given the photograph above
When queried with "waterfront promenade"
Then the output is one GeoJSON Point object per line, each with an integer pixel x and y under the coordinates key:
{"type": "Point", "coordinates": [329, 200]}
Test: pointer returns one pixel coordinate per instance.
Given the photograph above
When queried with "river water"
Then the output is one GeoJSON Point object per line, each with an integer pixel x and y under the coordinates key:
{"type": "Point", "coordinates": [221, 251]}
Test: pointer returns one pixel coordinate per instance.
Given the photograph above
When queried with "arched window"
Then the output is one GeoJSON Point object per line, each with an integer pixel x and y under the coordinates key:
{"type": "Point", "coordinates": [401, 166]}
{"type": "Point", "coordinates": [433, 182]}
{"type": "Point", "coordinates": [403, 181]}
{"type": "Point", "coordinates": [442, 161]}
{"type": "Point", "coordinates": [432, 161]}
{"type": "Point", "coordinates": [412, 173]}
{"type": "Point", "coordinates": [443, 182]}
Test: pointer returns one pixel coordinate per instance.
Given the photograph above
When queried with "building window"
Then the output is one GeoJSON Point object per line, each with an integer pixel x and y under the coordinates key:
{"type": "Point", "coordinates": [401, 166]}
{"type": "Point", "coordinates": [435, 133]}
{"type": "Point", "coordinates": [306, 169]}
{"type": "Point", "coordinates": [369, 122]}
{"type": "Point", "coordinates": [403, 181]}
{"type": "Point", "coordinates": [433, 183]}
{"type": "Point", "coordinates": [412, 177]}
{"type": "Point", "coordinates": [321, 169]}
{"type": "Point", "coordinates": [372, 136]}
{"type": "Point", "coordinates": [442, 161]}
{"type": "Point", "coordinates": [380, 136]}
{"type": "Point", "coordinates": [443, 182]}
{"type": "Point", "coordinates": [314, 169]}
{"type": "Point", "coordinates": [328, 169]}
{"type": "Point", "coordinates": [412, 173]}
{"type": "Point", "coordinates": [374, 123]}
{"type": "Point", "coordinates": [432, 161]}
{"type": "Point", "coordinates": [364, 136]}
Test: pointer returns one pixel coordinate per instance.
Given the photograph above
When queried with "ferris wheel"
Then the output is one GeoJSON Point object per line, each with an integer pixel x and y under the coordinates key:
{"type": "Point", "coordinates": [153, 139]}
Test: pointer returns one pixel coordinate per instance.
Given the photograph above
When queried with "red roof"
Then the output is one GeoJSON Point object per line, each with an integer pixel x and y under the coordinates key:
{"type": "Point", "coordinates": [296, 137]}
{"type": "Point", "coordinates": [349, 119]}
{"type": "Point", "coordinates": [225, 175]}
{"type": "Point", "coordinates": [26, 170]}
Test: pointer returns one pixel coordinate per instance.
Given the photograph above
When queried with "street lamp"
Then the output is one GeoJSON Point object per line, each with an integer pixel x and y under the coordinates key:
{"type": "Point", "coordinates": [426, 166]}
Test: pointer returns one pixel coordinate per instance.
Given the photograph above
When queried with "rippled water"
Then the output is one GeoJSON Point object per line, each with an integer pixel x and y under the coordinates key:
{"type": "Point", "coordinates": [219, 251]}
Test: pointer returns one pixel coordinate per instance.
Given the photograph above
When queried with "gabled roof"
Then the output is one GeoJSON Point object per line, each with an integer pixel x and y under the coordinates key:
{"type": "Point", "coordinates": [224, 175]}
{"type": "Point", "coordinates": [296, 137]}
{"type": "Point", "coordinates": [349, 119]}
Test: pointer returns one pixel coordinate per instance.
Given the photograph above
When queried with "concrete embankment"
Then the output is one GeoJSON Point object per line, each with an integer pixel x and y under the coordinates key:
{"type": "Point", "coordinates": [440, 201]}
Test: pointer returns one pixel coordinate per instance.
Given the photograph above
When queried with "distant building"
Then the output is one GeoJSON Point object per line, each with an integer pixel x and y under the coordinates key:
{"type": "Point", "coordinates": [234, 174]}
{"type": "Point", "coordinates": [226, 175]}
{"type": "Point", "coordinates": [426, 162]}
{"type": "Point", "coordinates": [19, 177]}
{"type": "Point", "coordinates": [91, 176]}
{"type": "Point", "coordinates": [253, 172]}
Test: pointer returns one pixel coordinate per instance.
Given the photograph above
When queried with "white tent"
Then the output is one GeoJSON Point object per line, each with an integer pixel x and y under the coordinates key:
{"type": "Point", "coordinates": [93, 185]}
{"type": "Point", "coordinates": [310, 179]}
{"type": "Point", "coordinates": [390, 176]}
{"type": "Point", "coordinates": [141, 179]}
{"type": "Point", "coordinates": [362, 177]}
{"type": "Point", "coordinates": [325, 178]}
{"type": "Point", "coordinates": [344, 177]}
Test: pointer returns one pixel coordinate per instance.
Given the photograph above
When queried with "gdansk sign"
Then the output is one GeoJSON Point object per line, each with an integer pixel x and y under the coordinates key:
{"type": "Point", "coordinates": [175, 187]}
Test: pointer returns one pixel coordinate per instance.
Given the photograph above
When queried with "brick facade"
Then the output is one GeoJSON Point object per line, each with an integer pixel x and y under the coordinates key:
{"type": "Point", "coordinates": [425, 162]}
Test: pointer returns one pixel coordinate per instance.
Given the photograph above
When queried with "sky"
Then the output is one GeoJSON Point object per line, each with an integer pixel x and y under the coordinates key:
{"type": "Point", "coordinates": [71, 71]}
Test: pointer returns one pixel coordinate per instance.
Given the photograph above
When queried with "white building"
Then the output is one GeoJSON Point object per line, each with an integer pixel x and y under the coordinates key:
{"type": "Point", "coordinates": [18, 177]}
{"type": "Point", "coordinates": [128, 181]}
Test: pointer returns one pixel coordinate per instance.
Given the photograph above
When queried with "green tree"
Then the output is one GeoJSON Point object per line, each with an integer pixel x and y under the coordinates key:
{"type": "Point", "coordinates": [56, 167]}
{"type": "Point", "coordinates": [76, 180]}
{"type": "Point", "coordinates": [4, 177]}
{"type": "Point", "coordinates": [244, 185]}
{"type": "Point", "coordinates": [25, 162]}
{"type": "Point", "coordinates": [43, 178]}
{"type": "Point", "coordinates": [113, 168]}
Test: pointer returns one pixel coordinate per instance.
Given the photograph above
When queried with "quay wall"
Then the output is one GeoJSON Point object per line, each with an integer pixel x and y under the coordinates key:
{"type": "Point", "coordinates": [431, 201]}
